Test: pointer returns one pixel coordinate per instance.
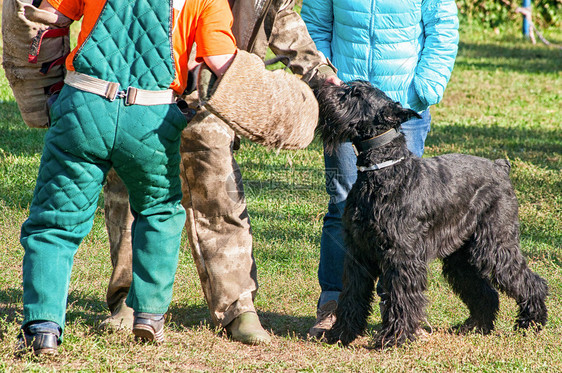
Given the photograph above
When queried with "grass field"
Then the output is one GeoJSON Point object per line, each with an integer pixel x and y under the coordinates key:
{"type": "Point", "coordinates": [504, 100]}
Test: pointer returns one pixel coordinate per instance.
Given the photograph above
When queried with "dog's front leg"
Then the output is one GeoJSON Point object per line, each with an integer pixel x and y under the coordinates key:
{"type": "Point", "coordinates": [354, 304]}
{"type": "Point", "coordinates": [404, 281]}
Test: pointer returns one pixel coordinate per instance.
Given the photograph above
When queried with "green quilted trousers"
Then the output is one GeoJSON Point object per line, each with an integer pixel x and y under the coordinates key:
{"type": "Point", "coordinates": [89, 135]}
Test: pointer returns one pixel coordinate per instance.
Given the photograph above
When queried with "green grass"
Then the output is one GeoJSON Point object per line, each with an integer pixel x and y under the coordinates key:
{"type": "Point", "coordinates": [504, 100]}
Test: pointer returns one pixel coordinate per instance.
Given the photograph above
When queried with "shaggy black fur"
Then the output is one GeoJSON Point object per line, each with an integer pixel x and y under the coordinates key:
{"type": "Point", "coordinates": [458, 208]}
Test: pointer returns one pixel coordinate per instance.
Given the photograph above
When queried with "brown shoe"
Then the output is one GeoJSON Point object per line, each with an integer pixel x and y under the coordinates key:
{"type": "Point", "coordinates": [149, 327]}
{"type": "Point", "coordinates": [120, 319]}
{"type": "Point", "coordinates": [246, 328]}
{"type": "Point", "coordinates": [325, 319]}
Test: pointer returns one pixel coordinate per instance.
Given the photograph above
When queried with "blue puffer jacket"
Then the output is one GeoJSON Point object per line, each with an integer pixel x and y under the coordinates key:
{"type": "Point", "coordinates": [406, 48]}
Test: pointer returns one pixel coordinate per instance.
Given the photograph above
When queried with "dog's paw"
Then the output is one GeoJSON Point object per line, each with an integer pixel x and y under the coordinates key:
{"type": "Point", "coordinates": [470, 325]}
{"type": "Point", "coordinates": [330, 340]}
{"type": "Point", "coordinates": [331, 337]}
{"type": "Point", "coordinates": [533, 318]}
{"type": "Point", "coordinates": [382, 341]}
{"type": "Point", "coordinates": [335, 336]}
{"type": "Point", "coordinates": [525, 324]}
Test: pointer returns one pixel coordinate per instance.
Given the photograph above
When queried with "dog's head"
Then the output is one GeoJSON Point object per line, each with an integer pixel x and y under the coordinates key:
{"type": "Point", "coordinates": [357, 111]}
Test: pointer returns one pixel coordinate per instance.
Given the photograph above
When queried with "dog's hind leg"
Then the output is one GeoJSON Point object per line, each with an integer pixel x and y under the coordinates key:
{"type": "Point", "coordinates": [530, 295]}
{"type": "Point", "coordinates": [475, 291]}
{"type": "Point", "coordinates": [354, 303]}
{"type": "Point", "coordinates": [404, 280]}
{"type": "Point", "coordinates": [498, 255]}
{"type": "Point", "coordinates": [512, 276]}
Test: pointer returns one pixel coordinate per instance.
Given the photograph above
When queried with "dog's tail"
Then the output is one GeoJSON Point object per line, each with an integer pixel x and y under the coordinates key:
{"type": "Point", "coordinates": [503, 164]}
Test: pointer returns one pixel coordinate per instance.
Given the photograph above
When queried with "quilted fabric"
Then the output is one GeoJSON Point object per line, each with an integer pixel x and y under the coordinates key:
{"type": "Point", "coordinates": [150, 64]}
{"type": "Point", "coordinates": [91, 134]}
{"type": "Point", "coordinates": [81, 146]}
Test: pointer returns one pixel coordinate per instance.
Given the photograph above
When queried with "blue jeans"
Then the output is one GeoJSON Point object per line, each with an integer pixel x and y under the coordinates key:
{"type": "Point", "coordinates": [341, 173]}
{"type": "Point", "coordinates": [42, 326]}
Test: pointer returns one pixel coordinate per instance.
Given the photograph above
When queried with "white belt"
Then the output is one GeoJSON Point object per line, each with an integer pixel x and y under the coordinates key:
{"type": "Point", "coordinates": [109, 90]}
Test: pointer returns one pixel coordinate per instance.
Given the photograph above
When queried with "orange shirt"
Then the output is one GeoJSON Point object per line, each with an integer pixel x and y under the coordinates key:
{"type": "Point", "coordinates": [206, 22]}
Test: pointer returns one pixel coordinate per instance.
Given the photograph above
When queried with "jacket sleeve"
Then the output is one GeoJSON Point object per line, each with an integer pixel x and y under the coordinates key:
{"type": "Point", "coordinates": [73, 9]}
{"type": "Point", "coordinates": [290, 38]}
{"type": "Point", "coordinates": [440, 49]}
{"type": "Point", "coordinates": [319, 18]}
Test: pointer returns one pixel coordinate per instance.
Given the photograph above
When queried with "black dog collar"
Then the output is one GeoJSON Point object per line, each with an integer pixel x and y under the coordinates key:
{"type": "Point", "coordinates": [375, 142]}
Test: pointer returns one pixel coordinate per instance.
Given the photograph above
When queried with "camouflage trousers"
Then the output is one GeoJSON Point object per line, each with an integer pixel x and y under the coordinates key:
{"type": "Point", "coordinates": [217, 223]}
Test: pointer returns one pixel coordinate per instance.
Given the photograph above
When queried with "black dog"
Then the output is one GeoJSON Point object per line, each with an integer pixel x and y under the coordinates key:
{"type": "Point", "coordinates": [405, 211]}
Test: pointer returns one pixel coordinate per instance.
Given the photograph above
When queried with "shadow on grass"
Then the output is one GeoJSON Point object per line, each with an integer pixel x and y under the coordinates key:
{"type": "Point", "coordinates": [10, 305]}
{"type": "Point", "coordinates": [87, 309]}
{"type": "Point", "coordinates": [524, 58]}
{"type": "Point", "coordinates": [285, 325]}
{"type": "Point", "coordinates": [17, 138]}
{"type": "Point", "coordinates": [189, 316]}
{"type": "Point", "coordinates": [298, 326]}
{"type": "Point", "coordinates": [192, 316]}
{"type": "Point", "coordinates": [92, 310]}
{"type": "Point", "coordinates": [541, 147]}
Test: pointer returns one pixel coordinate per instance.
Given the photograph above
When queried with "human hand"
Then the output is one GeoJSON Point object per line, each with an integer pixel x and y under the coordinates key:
{"type": "Point", "coordinates": [333, 79]}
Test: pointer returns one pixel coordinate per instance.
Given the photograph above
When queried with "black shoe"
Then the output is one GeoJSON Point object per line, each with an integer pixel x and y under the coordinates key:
{"type": "Point", "coordinates": [148, 328]}
{"type": "Point", "coordinates": [38, 343]}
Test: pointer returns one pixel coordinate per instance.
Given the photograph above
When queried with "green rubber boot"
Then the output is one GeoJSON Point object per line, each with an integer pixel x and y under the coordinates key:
{"type": "Point", "coordinates": [121, 319]}
{"type": "Point", "coordinates": [246, 328]}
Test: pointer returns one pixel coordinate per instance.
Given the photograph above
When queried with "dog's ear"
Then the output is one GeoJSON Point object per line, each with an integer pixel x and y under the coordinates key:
{"type": "Point", "coordinates": [407, 114]}
{"type": "Point", "coordinates": [396, 114]}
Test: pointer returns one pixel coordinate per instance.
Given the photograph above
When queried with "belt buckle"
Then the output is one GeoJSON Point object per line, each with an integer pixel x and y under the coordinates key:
{"type": "Point", "coordinates": [130, 96]}
{"type": "Point", "coordinates": [112, 91]}
{"type": "Point", "coordinates": [120, 94]}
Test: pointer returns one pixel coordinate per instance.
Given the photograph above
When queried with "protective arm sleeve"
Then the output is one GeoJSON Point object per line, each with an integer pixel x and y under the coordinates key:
{"type": "Point", "coordinates": [272, 108]}
{"type": "Point", "coordinates": [440, 49]}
